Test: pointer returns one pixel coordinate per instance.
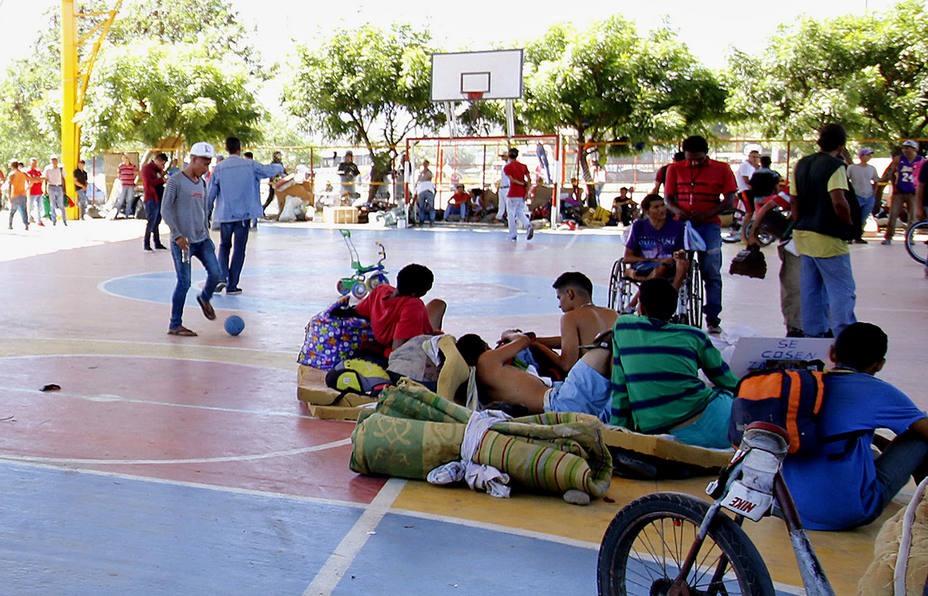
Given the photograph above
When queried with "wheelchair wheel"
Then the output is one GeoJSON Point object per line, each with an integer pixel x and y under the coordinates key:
{"type": "Point", "coordinates": [765, 238]}
{"type": "Point", "coordinates": [646, 544]}
{"type": "Point", "coordinates": [614, 280]}
{"type": "Point", "coordinates": [916, 242]}
{"type": "Point", "coordinates": [695, 294]}
{"type": "Point", "coordinates": [731, 233]}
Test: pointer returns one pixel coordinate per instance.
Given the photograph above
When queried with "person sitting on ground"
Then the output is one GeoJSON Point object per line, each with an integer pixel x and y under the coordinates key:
{"type": "Point", "coordinates": [842, 486]}
{"type": "Point", "coordinates": [654, 248]}
{"type": "Point", "coordinates": [581, 323]}
{"type": "Point", "coordinates": [457, 204]}
{"type": "Point", "coordinates": [398, 314]}
{"type": "Point", "coordinates": [655, 374]}
{"type": "Point", "coordinates": [475, 204]}
{"type": "Point", "coordinates": [623, 207]}
{"type": "Point", "coordinates": [585, 390]}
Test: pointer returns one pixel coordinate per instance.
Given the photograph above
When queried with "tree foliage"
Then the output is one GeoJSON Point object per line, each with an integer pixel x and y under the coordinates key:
{"type": "Point", "coordinates": [149, 92]}
{"type": "Point", "coordinates": [607, 83]}
{"type": "Point", "coordinates": [369, 86]}
{"type": "Point", "coordinates": [868, 73]}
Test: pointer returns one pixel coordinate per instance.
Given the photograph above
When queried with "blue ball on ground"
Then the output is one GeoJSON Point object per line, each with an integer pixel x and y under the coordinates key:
{"type": "Point", "coordinates": [234, 324]}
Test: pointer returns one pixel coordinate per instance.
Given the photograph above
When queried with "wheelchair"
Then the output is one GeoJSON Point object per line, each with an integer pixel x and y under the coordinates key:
{"type": "Point", "coordinates": [623, 288]}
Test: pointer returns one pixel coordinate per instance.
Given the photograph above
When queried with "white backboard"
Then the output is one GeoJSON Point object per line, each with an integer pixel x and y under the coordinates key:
{"type": "Point", "coordinates": [497, 74]}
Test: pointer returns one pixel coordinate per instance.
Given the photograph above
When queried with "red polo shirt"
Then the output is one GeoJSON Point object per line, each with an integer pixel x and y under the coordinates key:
{"type": "Point", "coordinates": [152, 180]}
{"type": "Point", "coordinates": [699, 190]}
{"type": "Point", "coordinates": [516, 171]}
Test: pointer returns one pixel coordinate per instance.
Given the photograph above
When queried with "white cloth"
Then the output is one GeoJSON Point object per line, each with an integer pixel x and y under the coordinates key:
{"type": "Point", "coordinates": [745, 170]}
{"type": "Point", "coordinates": [477, 476]}
{"type": "Point", "coordinates": [53, 175]}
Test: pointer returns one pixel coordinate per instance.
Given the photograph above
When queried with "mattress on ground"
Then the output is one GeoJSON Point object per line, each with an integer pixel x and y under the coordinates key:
{"type": "Point", "coordinates": [414, 430]}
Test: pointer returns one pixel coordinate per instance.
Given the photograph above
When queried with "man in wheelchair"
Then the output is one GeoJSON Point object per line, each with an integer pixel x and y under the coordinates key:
{"type": "Point", "coordinates": [655, 245]}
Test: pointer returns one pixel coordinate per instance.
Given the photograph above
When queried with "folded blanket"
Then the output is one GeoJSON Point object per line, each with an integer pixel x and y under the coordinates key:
{"type": "Point", "coordinates": [413, 431]}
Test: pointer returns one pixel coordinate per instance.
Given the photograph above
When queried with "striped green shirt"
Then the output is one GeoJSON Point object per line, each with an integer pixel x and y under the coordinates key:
{"type": "Point", "coordinates": [655, 382]}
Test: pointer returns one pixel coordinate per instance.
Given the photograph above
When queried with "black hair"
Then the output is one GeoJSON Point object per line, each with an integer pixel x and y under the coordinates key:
{"type": "Point", "coordinates": [679, 156]}
{"type": "Point", "coordinates": [625, 188]}
{"type": "Point", "coordinates": [696, 144]}
{"type": "Point", "coordinates": [860, 346]}
{"type": "Point", "coordinates": [646, 202]}
{"type": "Point", "coordinates": [513, 153]}
{"type": "Point", "coordinates": [765, 161]}
{"type": "Point", "coordinates": [575, 280]}
{"type": "Point", "coordinates": [471, 346]}
{"type": "Point", "coordinates": [831, 137]}
{"type": "Point", "coordinates": [414, 280]}
{"type": "Point", "coordinates": [163, 157]}
{"type": "Point", "coordinates": [233, 145]}
{"type": "Point", "coordinates": [248, 155]}
{"type": "Point", "coordinates": [763, 184]}
{"type": "Point", "coordinates": [658, 297]}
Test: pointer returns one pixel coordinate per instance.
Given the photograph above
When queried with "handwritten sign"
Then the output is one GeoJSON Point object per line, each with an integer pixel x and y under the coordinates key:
{"type": "Point", "coordinates": [752, 353]}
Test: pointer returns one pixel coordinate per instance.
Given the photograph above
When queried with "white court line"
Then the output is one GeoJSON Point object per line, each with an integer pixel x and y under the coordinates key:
{"type": "Point", "coordinates": [118, 398]}
{"type": "Point", "coordinates": [202, 460]}
{"type": "Point", "coordinates": [346, 551]}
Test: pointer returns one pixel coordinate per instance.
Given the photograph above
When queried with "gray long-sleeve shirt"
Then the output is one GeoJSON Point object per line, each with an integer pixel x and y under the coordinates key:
{"type": "Point", "coordinates": [183, 208]}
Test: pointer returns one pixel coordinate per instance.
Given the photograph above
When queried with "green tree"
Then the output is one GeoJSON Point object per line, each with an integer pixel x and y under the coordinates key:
{"type": "Point", "coordinates": [369, 86]}
{"type": "Point", "coordinates": [868, 73]}
{"type": "Point", "coordinates": [607, 83]}
{"type": "Point", "coordinates": [163, 95]}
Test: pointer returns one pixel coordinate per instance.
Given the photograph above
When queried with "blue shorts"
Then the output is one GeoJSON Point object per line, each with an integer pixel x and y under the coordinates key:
{"type": "Point", "coordinates": [643, 268]}
{"type": "Point", "coordinates": [711, 428]}
{"type": "Point", "coordinates": [584, 390]}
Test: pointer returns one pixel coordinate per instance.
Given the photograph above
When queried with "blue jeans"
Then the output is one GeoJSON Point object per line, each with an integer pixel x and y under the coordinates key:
{"type": "Point", "coordinates": [460, 210]}
{"type": "Point", "coordinates": [82, 203]}
{"type": "Point", "coordinates": [19, 204]}
{"type": "Point", "coordinates": [56, 203]}
{"type": "Point", "coordinates": [205, 251]}
{"type": "Point", "coordinates": [710, 267]}
{"type": "Point", "coordinates": [126, 201]}
{"type": "Point", "coordinates": [828, 294]}
{"type": "Point", "coordinates": [153, 214]}
{"type": "Point", "coordinates": [426, 207]}
{"type": "Point", "coordinates": [233, 236]}
{"type": "Point", "coordinates": [906, 455]}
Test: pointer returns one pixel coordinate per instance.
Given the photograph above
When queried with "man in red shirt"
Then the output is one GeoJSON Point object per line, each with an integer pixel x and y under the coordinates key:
{"type": "Point", "coordinates": [398, 314]}
{"type": "Point", "coordinates": [457, 205]}
{"type": "Point", "coordinates": [128, 172]}
{"type": "Point", "coordinates": [34, 174]}
{"type": "Point", "coordinates": [693, 187]}
{"type": "Point", "coordinates": [153, 184]}
{"type": "Point", "coordinates": [519, 183]}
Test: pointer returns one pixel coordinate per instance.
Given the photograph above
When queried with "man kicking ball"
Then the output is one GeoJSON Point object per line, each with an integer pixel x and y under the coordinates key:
{"type": "Point", "coordinates": [183, 208]}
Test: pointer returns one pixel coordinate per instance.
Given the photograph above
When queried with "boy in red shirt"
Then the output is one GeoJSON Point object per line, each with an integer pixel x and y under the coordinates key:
{"type": "Point", "coordinates": [519, 180]}
{"type": "Point", "coordinates": [457, 205]}
{"type": "Point", "coordinates": [34, 174]}
{"type": "Point", "coordinates": [398, 314]}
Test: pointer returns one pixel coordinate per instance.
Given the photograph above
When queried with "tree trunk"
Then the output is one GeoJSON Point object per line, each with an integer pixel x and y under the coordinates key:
{"type": "Point", "coordinates": [379, 169]}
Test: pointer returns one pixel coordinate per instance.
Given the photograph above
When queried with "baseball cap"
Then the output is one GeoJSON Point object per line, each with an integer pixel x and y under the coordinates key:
{"type": "Point", "coordinates": [202, 149]}
{"type": "Point", "coordinates": [53, 156]}
{"type": "Point", "coordinates": [910, 143]}
{"type": "Point", "coordinates": [865, 151]}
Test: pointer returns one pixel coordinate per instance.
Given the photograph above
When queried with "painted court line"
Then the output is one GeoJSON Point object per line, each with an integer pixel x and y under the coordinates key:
{"type": "Point", "coordinates": [202, 460]}
{"type": "Point", "coordinates": [347, 550]}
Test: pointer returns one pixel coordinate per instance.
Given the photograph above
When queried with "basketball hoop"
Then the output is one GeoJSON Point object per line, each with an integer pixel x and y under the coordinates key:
{"type": "Point", "coordinates": [474, 95]}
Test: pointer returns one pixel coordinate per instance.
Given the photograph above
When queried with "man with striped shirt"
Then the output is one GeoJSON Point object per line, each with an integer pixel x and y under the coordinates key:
{"type": "Point", "coordinates": [128, 172]}
{"type": "Point", "coordinates": [655, 374]}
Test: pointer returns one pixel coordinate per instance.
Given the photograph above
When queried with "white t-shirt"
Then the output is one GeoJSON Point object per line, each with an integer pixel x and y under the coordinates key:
{"type": "Point", "coordinates": [53, 175]}
{"type": "Point", "coordinates": [862, 179]}
{"type": "Point", "coordinates": [504, 181]}
{"type": "Point", "coordinates": [745, 170]}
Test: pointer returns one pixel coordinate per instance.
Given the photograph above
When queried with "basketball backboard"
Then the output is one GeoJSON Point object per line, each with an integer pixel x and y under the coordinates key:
{"type": "Point", "coordinates": [493, 74]}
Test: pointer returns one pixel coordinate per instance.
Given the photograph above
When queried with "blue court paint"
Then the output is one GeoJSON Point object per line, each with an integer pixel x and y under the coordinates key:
{"type": "Point", "coordinates": [65, 532]}
{"type": "Point", "coordinates": [409, 555]}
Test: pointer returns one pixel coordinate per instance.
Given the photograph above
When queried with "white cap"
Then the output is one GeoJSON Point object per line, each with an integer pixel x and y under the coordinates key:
{"type": "Point", "coordinates": [910, 143]}
{"type": "Point", "coordinates": [53, 157]}
{"type": "Point", "coordinates": [202, 149]}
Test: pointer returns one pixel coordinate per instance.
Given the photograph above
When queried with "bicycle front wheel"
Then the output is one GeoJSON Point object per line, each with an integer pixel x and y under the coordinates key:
{"type": "Point", "coordinates": [646, 544]}
{"type": "Point", "coordinates": [916, 242]}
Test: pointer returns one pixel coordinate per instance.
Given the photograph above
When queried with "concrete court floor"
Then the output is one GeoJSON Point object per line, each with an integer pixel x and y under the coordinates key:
{"type": "Point", "coordinates": [158, 450]}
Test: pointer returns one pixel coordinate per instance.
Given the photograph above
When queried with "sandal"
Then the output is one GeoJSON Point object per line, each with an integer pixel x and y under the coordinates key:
{"type": "Point", "coordinates": [182, 331]}
{"type": "Point", "coordinates": [207, 308]}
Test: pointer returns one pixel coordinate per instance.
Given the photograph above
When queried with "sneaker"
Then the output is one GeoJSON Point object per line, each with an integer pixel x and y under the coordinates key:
{"type": "Point", "coordinates": [531, 233]}
{"type": "Point", "coordinates": [220, 286]}
{"type": "Point", "coordinates": [233, 291]}
{"type": "Point", "coordinates": [887, 242]}
{"type": "Point", "coordinates": [714, 330]}
{"type": "Point", "coordinates": [160, 247]}
{"type": "Point", "coordinates": [207, 309]}
{"type": "Point", "coordinates": [148, 249]}
{"type": "Point", "coordinates": [860, 241]}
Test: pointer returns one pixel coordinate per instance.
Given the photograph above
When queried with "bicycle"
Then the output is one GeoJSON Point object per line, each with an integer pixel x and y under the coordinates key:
{"type": "Point", "coordinates": [357, 285]}
{"type": "Point", "coordinates": [676, 544]}
{"type": "Point", "coordinates": [916, 242]}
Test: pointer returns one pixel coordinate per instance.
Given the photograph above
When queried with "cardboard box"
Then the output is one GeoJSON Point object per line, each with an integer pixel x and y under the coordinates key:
{"type": "Point", "coordinates": [340, 215]}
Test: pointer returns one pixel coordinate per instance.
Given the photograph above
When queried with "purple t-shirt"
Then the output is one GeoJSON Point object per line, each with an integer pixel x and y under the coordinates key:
{"type": "Point", "coordinates": [650, 243]}
{"type": "Point", "coordinates": [905, 182]}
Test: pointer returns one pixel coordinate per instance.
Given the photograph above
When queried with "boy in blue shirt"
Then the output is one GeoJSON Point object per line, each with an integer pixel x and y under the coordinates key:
{"type": "Point", "coordinates": [843, 486]}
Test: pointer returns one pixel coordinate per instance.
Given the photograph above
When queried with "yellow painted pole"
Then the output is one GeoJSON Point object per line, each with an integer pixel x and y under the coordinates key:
{"type": "Point", "coordinates": [70, 132]}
